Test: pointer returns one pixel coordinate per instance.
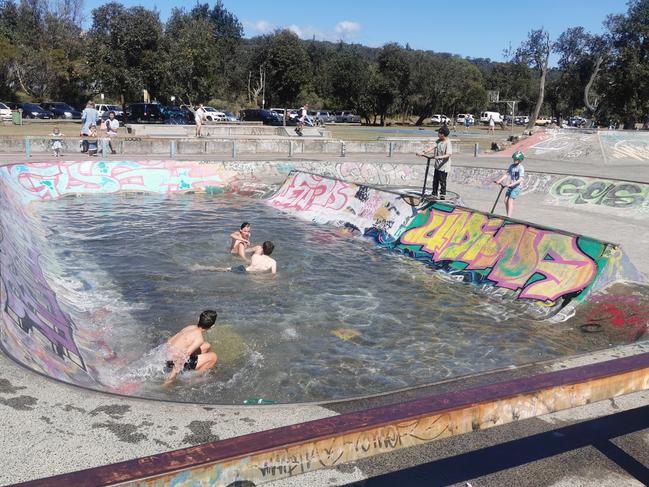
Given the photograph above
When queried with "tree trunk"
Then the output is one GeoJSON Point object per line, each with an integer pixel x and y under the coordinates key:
{"type": "Point", "coordinates": [539, 102]}
{"type": "Point", "coordinates": [592, 106]}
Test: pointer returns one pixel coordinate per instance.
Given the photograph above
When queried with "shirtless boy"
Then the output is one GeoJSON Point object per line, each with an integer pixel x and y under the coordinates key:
{"type": "Point", "coordinates": [240, 242]}
{"type": "Point", "coordinates": [189, 345]}
{"type": "Point", "coordinates": [261, 260]}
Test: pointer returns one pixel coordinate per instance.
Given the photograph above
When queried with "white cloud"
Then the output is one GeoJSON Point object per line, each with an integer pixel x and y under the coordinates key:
{"type": "Point", "coordinates": [342, 30]}
{"type": "Point", "coordinates": [347, 27]}
{"type": "Point", "coordinates": [258, 27]}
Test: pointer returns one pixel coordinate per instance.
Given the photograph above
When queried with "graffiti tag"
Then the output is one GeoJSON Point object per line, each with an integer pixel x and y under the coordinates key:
{"type": "Point", "coordinates": [614, 194]}
{"type": "Point", "coordinates": [539, 264]}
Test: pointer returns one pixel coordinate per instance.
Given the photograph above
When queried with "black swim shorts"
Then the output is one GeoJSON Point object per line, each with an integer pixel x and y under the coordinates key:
{"type": "Point", "coordinates": [240, 269]}
{"type": "Point", "coordinates": [191, 364]}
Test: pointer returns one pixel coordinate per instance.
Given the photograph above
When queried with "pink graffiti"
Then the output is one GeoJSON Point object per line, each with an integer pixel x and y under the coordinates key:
{"type": "Point", "coordinates": [51, 180]}
{"type": "Point", "coordinates": [306, 191]}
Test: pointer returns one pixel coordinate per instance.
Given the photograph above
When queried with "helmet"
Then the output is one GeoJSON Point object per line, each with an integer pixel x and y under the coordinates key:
{"type": "Point", "coordinates": [518, 156]}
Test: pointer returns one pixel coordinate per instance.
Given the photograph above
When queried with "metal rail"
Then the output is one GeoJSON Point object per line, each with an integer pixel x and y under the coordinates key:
{"type": "Point", "coordinates": [291, 450]}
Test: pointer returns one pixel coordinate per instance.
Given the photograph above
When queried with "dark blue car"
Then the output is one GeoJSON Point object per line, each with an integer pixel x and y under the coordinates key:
{"type": "Point", "coordinates": [62, 110]}
{"type": "Point", "coordinates": [32, 110]}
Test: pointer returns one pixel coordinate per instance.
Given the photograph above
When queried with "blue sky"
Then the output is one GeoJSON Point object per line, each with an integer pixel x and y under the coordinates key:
{"type": "Point", "coordinates": [474, 28]}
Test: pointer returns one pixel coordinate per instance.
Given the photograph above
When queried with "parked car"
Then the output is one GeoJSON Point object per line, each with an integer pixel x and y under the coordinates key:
{"type": "Point", "coordinates": [13, 105]}
{"type": "Point", "coordinates": [177, 116]}
{"type": "Point", "coordinates": [62, 110]}
{"type": "Point", "coordinates": [486, 116]}
{"type": "Point", "coordinates": [5, 112]}
{"type": "Point", "coordinates": [267, 117]}
{"type": "Point", "coordinates": [438, 119]}
{"type": "Point", "coordinates": [462, 117]}
{"type": "Point", "coordinates": [103, 108]}
{"type": "Point", "coordinates": [521, 120]}
{"type": "Point", "coordinates": [214, 115]}
{"type": "Point", "coordinates": [577, 121]}
{"type": "Point", "coordinates": [231, 117]}
{"type": "Point", "coordinates": [543, 121]}
{"type": "Point", "coordinates": [145, 113]}
{"type": "Point", "coordinates": [347, 116]}
{"type": "Point", "coordinates": [321, 116]}
{"type": "Point", "coordinates": [32, 110]}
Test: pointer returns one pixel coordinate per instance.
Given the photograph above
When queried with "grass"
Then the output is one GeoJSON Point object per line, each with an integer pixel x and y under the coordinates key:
{"type": "Point", "coordinates": [476, 134]}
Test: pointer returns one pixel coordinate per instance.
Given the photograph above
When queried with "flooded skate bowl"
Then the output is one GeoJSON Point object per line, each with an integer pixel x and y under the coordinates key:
{"type": "Point", "coordinates": [101, 262]}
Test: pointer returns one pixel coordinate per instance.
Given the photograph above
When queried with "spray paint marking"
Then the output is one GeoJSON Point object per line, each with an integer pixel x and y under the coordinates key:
{"type": "Point", "coordinates": [539, 264]}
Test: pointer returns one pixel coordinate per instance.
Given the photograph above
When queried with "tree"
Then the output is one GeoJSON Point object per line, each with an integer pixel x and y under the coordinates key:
{"type": "Point", "coordinates": [535, 52]}
{"type": "Point", "coordinates": [286, 64]}
{"type": "Point", "coordinates": [626, 84]}
{"type": "Point", "coordinates": [123, 61]}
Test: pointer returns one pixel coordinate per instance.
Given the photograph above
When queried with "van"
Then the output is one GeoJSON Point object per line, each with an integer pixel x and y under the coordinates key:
{"type": "Point", "coordinates": [144, 112]}
{"type": "Point", "coordinates": [486, 116]}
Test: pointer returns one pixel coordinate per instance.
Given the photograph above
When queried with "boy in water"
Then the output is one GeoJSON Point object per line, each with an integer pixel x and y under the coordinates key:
{"type": "Point", "coordinates": [261, 260]}
{"type": "Point", "coordinates": [240, 243]}
{"type": "Point", "coordinates": [516, 174]}
{"type": "Point", "coordinates": [189, 345]}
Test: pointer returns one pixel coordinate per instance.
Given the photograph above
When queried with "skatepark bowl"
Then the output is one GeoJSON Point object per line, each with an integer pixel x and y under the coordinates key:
{"type": "Point", "coordinates": [102, 261]}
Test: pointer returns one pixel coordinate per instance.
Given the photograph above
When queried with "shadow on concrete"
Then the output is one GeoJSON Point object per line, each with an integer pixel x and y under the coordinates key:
{"type": "Point", "coordinates": [596, 433]}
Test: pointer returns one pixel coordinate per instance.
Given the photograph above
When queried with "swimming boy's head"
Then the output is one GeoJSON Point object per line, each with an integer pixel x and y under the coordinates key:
{"type": "Point", "coordinates": [207, 319]}
{"type": "Point", "coordinates": [518, 156]}
{"type": "Point", "coordinates": [244, 225]}
{"type": "Point", "coordinates": [267, 247]}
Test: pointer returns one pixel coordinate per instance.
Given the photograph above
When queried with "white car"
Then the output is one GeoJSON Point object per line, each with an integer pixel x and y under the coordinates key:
{"type": "Point", "coordinates": [101, 108]}
{"type": "Point", "coordinates": [463, 117]}
{"type": "Point", "coordinates": [438, 119]}
{"type": "Point", "coordinates": [214, 115]}
{"type": "Point", "coordinates": [5, 112]}
{"type": "Point", "coordinates": [495, 116]}
{"type": "Point", "coordinates": [543, 121]}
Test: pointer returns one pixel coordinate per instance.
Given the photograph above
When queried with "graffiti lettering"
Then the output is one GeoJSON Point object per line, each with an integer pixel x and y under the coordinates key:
{"type": "Point", "coordinates": [539, 264]}
{"type": "Point", "coordinates": [613, 194]}
{"type": "Point", "coordinates": [304, 193]}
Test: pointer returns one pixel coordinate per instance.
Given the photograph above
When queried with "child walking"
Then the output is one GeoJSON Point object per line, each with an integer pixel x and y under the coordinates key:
{"type": "Point", "coordinates": [516, 174]}
{"type": "Point", "coordinates": [57, 145]}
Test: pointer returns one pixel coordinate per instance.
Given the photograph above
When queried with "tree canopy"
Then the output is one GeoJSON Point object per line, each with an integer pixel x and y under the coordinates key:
{"type": "Point", "coordinates": [200, 55]}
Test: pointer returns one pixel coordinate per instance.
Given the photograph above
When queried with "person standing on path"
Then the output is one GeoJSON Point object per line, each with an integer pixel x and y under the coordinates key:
{"type": "Point", "coordinates": [443, 151]}
{"type": "Point", "coordinates": [89, 118]}
{"type": "Point", "coordinates": [492, 125]}
{"type": "Point", "coordinates": [112, 124]}
{"type": "Point", "coordinates": [199, 117]}
{"type": "Point", "coordinates": [516, 174]}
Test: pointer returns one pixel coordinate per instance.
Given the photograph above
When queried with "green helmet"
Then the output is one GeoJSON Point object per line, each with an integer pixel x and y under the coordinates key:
{"type": "Point", "coordinates": [518, 156]}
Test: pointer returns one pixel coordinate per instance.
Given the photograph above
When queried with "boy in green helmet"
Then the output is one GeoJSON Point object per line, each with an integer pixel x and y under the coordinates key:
{"type": "Point", "coordinates": [516, 174]}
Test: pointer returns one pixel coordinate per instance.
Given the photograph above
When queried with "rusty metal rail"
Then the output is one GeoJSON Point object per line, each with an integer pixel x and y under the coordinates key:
{"type": "Point", "coordinates": [291, 450]}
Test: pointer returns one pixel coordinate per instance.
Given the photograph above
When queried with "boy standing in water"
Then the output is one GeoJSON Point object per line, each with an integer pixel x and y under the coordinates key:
{"type": "Point", "coordinates": [516, 174]}
{"type": "Point", "coordinates": [189, 345]}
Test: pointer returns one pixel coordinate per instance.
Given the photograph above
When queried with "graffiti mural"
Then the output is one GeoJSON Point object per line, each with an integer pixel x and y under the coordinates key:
{"type": "Point", "coordinates": [534, 263]}
{"type": "Point", "coordinates": [588, 191]}
{"type": "Point", "coordinates": [326, 200]}
{"type": "Point", "coordinates": [625, 146]}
